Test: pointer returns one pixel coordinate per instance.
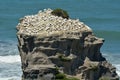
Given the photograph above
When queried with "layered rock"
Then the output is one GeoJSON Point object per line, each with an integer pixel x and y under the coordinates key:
{"type": "Point", "coordinates": [49, 45]}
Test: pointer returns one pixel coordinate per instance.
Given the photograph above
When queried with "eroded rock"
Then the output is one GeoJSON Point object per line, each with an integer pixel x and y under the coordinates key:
{"type": "Point", "coordinates": [49, 45]}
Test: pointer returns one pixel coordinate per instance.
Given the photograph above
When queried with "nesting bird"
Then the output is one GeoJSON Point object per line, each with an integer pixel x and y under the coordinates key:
{"type": "Point", "coordinates": [45, 21]}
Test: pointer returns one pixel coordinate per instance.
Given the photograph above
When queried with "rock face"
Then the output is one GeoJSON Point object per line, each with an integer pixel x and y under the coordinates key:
{"type": "Point", "coordinates": [49, 45]}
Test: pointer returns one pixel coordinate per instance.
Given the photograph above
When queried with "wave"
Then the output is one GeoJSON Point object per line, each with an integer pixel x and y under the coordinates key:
{"type": "Point", "coordinates": [114, 59]}
{"type": "Point", "coordinates": [8, 47]}
{"type": "Point", "coordinates": [118, 68]}
{"type": "Point", "coordinates": [10, 59]}
{"type": "Point", "coordinates": [11, 78]}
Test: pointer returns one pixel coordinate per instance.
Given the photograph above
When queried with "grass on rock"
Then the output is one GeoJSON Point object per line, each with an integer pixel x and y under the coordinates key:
{"type": "Point", "coordinates": [61, 76]}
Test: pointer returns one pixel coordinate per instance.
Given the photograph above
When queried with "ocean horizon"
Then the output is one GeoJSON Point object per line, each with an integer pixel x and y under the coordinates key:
{"type": "Point", "coordinates": [102, 16]}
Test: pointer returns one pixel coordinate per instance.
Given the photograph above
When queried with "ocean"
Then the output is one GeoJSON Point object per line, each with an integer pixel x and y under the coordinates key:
{"type": "Point", "coordinates": [103, 16]}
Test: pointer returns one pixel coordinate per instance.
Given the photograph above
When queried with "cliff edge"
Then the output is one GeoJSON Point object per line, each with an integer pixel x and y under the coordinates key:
{"type": "Point", "coordinates": [54, 48]}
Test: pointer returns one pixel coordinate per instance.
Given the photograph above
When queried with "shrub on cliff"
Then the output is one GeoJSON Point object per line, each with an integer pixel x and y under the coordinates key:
{"type": "Point", "coordinates": [61, 76]}
{"type": "Point", "coordinates": [63, 58]}
{"type": "Point", "coordinates": [60, 13]}
{"type": "Point", "coordinates": [104, 78]}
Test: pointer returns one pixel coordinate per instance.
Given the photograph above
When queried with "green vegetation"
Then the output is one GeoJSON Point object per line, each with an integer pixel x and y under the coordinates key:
{"type": "Point", "coordinates": [60, 13]}
{"type": "Point", "coordinates": [63, 58]}
{"type": "Point", "coordinates": [61, 76]}
{"type": "Point", "coordinates": [94, 68]}
{"type": "Point", "coordinates": [57, 68]}
{"type": "Point", "coordinates": [104, 78]}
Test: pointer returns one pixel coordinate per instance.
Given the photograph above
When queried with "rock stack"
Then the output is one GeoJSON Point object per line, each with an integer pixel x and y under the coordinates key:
{"type": "Point", "coordinates": [50, 45]}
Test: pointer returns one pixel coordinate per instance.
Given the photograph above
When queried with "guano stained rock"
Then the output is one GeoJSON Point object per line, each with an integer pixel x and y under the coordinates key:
{"type": "Point", "coordinates": [50, 45]}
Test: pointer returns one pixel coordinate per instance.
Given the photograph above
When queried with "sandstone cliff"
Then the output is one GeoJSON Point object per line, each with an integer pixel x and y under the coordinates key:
{"type": "Point", "coordinates": [50, 45]}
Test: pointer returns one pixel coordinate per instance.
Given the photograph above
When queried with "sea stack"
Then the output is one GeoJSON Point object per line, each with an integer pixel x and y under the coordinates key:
{"type": "Point", "coordinates": [56, 48]}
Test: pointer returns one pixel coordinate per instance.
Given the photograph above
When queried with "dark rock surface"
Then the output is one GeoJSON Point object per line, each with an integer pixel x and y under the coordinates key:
{"type": "Point", "coordinates": [75, 53]}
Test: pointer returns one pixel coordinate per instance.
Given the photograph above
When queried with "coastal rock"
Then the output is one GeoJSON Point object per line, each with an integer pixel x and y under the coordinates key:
{"type": "Point", "coordinates": [50, 45]}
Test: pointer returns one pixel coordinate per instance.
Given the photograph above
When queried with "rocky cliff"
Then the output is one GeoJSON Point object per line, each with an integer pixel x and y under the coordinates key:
{"type": "Point", "coordinates": [50, 46]}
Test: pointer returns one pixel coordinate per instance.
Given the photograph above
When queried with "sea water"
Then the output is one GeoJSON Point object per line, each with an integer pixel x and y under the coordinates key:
{"type": "Point", "coordinates": [103, 16]}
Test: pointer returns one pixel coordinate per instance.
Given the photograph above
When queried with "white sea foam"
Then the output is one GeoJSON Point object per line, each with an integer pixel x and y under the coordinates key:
{"type": "Point", "coordinates": [11, 78]}
{"type": "Point", "coordinates": [113, 59]}
{"type": "Point", "coordinates": [10, 59]}
{"type": "Point", "coordinates": [8, 48]}
{"type": "Point", "coordinates": [118, 68]}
